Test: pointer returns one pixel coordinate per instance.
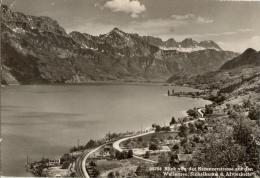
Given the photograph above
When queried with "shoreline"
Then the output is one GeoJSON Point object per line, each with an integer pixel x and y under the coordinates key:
{"type": "Point", "coordinates": [161, 122]}
{"type": "Point", "coordinates": [184, 112]}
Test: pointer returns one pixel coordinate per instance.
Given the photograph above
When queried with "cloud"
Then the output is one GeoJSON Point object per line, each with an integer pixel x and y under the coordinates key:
{"type": "Point", "coordinates": [192, 17]}
{"type": "Point", "coordinates": [154, 26]}
{"type": "Point", "coordinates": [226, 33]}
{"type": "Point", "coordinates": [242, 45]}
{"type": "Point", "coordinates": [12, 4]}
{"type": "Point", "coordinates": [53, 3]}
{"type": "Point", "coordinates": [165, 27]}
{"type": "Point", "coordinates": [204, 20]}
{"type": "Point", "coordinates": [132, 7]}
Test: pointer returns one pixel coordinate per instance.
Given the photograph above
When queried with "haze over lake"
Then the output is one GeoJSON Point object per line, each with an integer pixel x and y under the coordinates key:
{"type": "Point", "coordinates": [42, 120]}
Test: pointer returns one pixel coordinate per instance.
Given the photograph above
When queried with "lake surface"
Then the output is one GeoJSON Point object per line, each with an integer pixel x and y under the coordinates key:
{"type": "Point", "coordinates": [47, 120]}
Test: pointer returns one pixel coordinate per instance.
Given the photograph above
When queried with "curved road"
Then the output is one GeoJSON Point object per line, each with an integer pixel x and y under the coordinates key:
{"type": "Point", "coordinates": [117, 143]}
{"type": "Point", "coordinates": [81, 161]}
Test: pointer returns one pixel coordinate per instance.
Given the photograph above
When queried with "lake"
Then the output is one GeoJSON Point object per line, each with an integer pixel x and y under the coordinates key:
{"type": "Point", "coordinates": [46, 120]}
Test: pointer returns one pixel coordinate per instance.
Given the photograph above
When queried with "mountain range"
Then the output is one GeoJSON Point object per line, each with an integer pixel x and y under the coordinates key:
{"type": "Point", "coordinates": [239, 73]}
{"type": "Point", "coordinates": [38, 50]}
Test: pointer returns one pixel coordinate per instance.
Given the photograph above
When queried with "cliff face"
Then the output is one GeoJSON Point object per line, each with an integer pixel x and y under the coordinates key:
{"type": "Point", "coordinates": [38, 50]}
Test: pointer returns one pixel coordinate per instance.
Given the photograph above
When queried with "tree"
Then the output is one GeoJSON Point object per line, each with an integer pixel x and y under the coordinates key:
{"type": "Point", "coordinates": [183, 130]}
{"type": "Point", "coordinates": [157, 128]}
{"type": "Point", "coordinates": [147, 154]}
{"type": "Point", "coordinates": [153, 146]}
{"type": "Point", "coordinates": [224, 149]}
{"type": "Point", "coordinates": [242, 133]}
{"type": "Point", "coordinates": [192, 128]}
{"type": "Point", "coordinates": [175, 147]}
{"type": "Point", "coordinates": [193, 113]}
{"type": "Point", "coordinates": [73, 149]}
{"type": "Point", "coordinates": [154, 125]}
{"type": "Point", "coordinates": [174, 160]}
{"type": "Point", "coordinates": [208, 110]}
{"type": "Point", "coordinates": [140, 139]}
{"type": "Point", "coordinates": [65, 165]}
{"type": "Point", "coordinates": [130, 154]}
{"type": "Point", "coordinates": [166, 129]}
{"type": "Point", "coordinates": [117, 174]}
{"type": "Point", "coordinates": [199, 125]}
{"type": "Point", "coordinates": [66, 157]}
{"type": "Point", "coordinates": [92, 164]}
{"type": "Point", "coordinates": [90, 144]}
{"type": "Point", "coordinates": [118, 155]}
{"type": "Point", "coordinates": [141, 170]}
{"type": "Point", "coordinates": [163, 160]}
{"type": "Point", "coordinates": [111, 175]}
{"type": "Point", "coordinates": [247, 103]}
{"type": "Point", "coordinates": [173, 121]}
{"type": "Point", "coordinates": [254, 114]}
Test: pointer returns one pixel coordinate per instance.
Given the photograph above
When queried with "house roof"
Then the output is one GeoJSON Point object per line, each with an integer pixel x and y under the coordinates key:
{"type": "Point", "coordinates": [184, 157]}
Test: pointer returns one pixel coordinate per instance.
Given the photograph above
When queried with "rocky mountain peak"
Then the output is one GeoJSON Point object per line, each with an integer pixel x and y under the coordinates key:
{"type": "Point", "coordinates": [188, 42]}
{"type": "Point", "coordinates": [209, 44]}
{"type": "Point", "coordinates": [17, 21]}
{"type": "Point", "coordinates": [37, 49]}
{"type": "Point", "coordinates": [249, 52]}
{"type": "Point", "coordinates": [171, 43]}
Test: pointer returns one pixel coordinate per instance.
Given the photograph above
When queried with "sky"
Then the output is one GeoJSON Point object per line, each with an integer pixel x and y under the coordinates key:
{"type": "Point", "coordinates": [233, 24]}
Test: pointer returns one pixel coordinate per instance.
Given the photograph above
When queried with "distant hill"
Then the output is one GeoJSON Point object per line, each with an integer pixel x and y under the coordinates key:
{"type": "Point", "coordinates": [249, 57]}
{"type": "Point", "coordinates": [241, 72]}
{"type": "Point", "coordinates": [38, 50]}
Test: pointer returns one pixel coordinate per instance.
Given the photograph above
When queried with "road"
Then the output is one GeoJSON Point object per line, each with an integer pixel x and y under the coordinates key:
{"type": "Point", "coordinates": [80, 164]}
{"type": "Point", "coordinates": [117, 143]}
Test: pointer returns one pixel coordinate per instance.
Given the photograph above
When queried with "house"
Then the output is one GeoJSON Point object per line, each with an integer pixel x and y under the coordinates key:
{"type": "Point", "coordinates": [75, 153]}
{"type": "Point", "coordinates": [142, 151]}
{"type": "Point", "coordinates": [54, 162]}
{"type": "Point", "coordinates": [172, 141]}
{"type": "Point", "coordinates": [183, 158]}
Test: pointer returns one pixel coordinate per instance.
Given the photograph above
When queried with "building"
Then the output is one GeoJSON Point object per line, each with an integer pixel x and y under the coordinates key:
{"type": "Point", "coordinates": [54, 162]}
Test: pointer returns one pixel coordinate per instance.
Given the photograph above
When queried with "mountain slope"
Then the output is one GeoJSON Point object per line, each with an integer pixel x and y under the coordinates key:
{"type": "Point", "coordinates": [250, 57]}
{"type": "Point", "coordinates": [237, 74]}
{"type": "Point", "coordinates": [38, 50]}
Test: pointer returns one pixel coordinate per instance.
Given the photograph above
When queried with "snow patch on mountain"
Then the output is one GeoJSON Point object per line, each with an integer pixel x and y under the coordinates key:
{"type": "Point", "coordinates": [186, 50]}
